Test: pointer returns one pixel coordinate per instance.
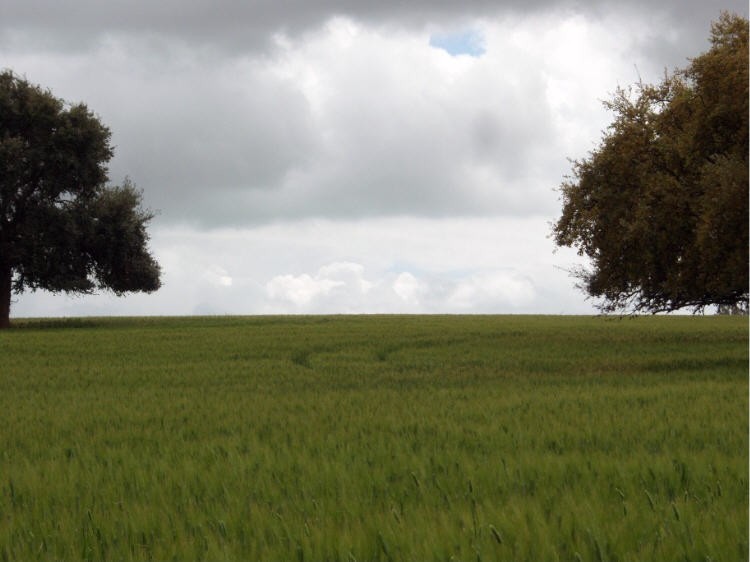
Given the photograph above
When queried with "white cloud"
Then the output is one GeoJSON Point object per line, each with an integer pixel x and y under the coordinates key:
{"type": "Point", "coordinates": [346, 289]}
{"type": "Point", "coordinates": [299, 290]}
{"type": "Point", "coordinates": [341, 280]}
{"type": "Point", "coordinates": [320, 159]}
{"type": "Point", "coordinates": [350, 120]}
{"type": "Point", "coordinates": [218, 276]}
{"type": "Point", "coordinates": [479, 265]}
{"type": "Point", "coordinates": [493, 291]}
{"type": "Point", "coordinates": [409, 288]}
{"type": "Point", "coordinates": [347, 273]}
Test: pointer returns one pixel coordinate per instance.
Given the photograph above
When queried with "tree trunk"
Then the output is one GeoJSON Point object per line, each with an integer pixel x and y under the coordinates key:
{"type": "Point", "coordinates": [6, 276]}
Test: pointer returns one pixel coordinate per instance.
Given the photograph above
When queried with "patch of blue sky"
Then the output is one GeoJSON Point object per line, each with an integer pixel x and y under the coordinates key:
{"type": "Point", "coordinates": [465, 42]}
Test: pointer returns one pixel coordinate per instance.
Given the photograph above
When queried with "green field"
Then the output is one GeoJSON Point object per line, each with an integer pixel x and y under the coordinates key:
{"type": "Point", "coordinates": [375, 438]}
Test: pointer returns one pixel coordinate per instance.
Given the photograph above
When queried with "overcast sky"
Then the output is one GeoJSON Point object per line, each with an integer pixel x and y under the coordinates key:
{"type": "Point", "coordinates": [327, 156]}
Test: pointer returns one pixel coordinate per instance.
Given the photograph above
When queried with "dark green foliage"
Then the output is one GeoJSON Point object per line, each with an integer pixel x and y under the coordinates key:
{"type": "Point", "coordinates": [61, 228]}
{"type": "Point", "coordinates": [661, 207]}
{"type": "Point", "coordinates": [117, 240]}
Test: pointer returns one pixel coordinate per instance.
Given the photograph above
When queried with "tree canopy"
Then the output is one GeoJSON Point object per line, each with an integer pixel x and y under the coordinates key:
{"type": "Point", "coordinates": [660, 208]}
{"type": "Point", "coordinates": [62, 228]}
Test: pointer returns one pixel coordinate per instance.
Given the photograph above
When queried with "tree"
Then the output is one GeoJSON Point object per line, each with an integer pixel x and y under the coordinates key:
{"type": "Point", "coordinates": [61, 228]}
{"type": "Point", "coordinates": [660, 208]}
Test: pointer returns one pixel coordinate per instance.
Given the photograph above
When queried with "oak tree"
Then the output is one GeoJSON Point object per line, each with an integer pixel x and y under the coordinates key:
{"type": "Point", "coordinates": [62, 228]}
{"type": "Point", "coordinates": [660, 208]}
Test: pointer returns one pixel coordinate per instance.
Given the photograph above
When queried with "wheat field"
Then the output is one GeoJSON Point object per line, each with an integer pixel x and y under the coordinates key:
{"type": "Point", "coordinates": [375, 438]}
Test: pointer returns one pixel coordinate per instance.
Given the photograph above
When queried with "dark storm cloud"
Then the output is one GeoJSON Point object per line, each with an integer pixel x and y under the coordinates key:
{"type": "Point", "coordinates": [237, 24]}
{"type": "Point", "coordinates": [216, 114]}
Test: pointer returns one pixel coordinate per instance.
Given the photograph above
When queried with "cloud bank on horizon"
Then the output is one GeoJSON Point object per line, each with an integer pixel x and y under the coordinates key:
{"type": "Point", "coordinates": [329, 156]}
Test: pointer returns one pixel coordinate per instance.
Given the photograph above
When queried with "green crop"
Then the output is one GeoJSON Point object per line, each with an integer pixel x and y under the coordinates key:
{"type": "Point", "coordinates": [375, 438]}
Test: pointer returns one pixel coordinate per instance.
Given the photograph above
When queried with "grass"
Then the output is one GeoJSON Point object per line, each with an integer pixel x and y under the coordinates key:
{"type": "Point", "coordinates": [375, 438]}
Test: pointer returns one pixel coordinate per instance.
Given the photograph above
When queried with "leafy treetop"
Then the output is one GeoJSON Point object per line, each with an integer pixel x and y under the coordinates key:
{"type": "Point", "coordinates": [660, 208]}
{"type": "Point", "coordinates": [61, 227]}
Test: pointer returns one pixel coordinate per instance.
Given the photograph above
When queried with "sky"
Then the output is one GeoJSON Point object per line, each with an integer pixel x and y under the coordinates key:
{"type": "Point", "coordinates": [325, 156]}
